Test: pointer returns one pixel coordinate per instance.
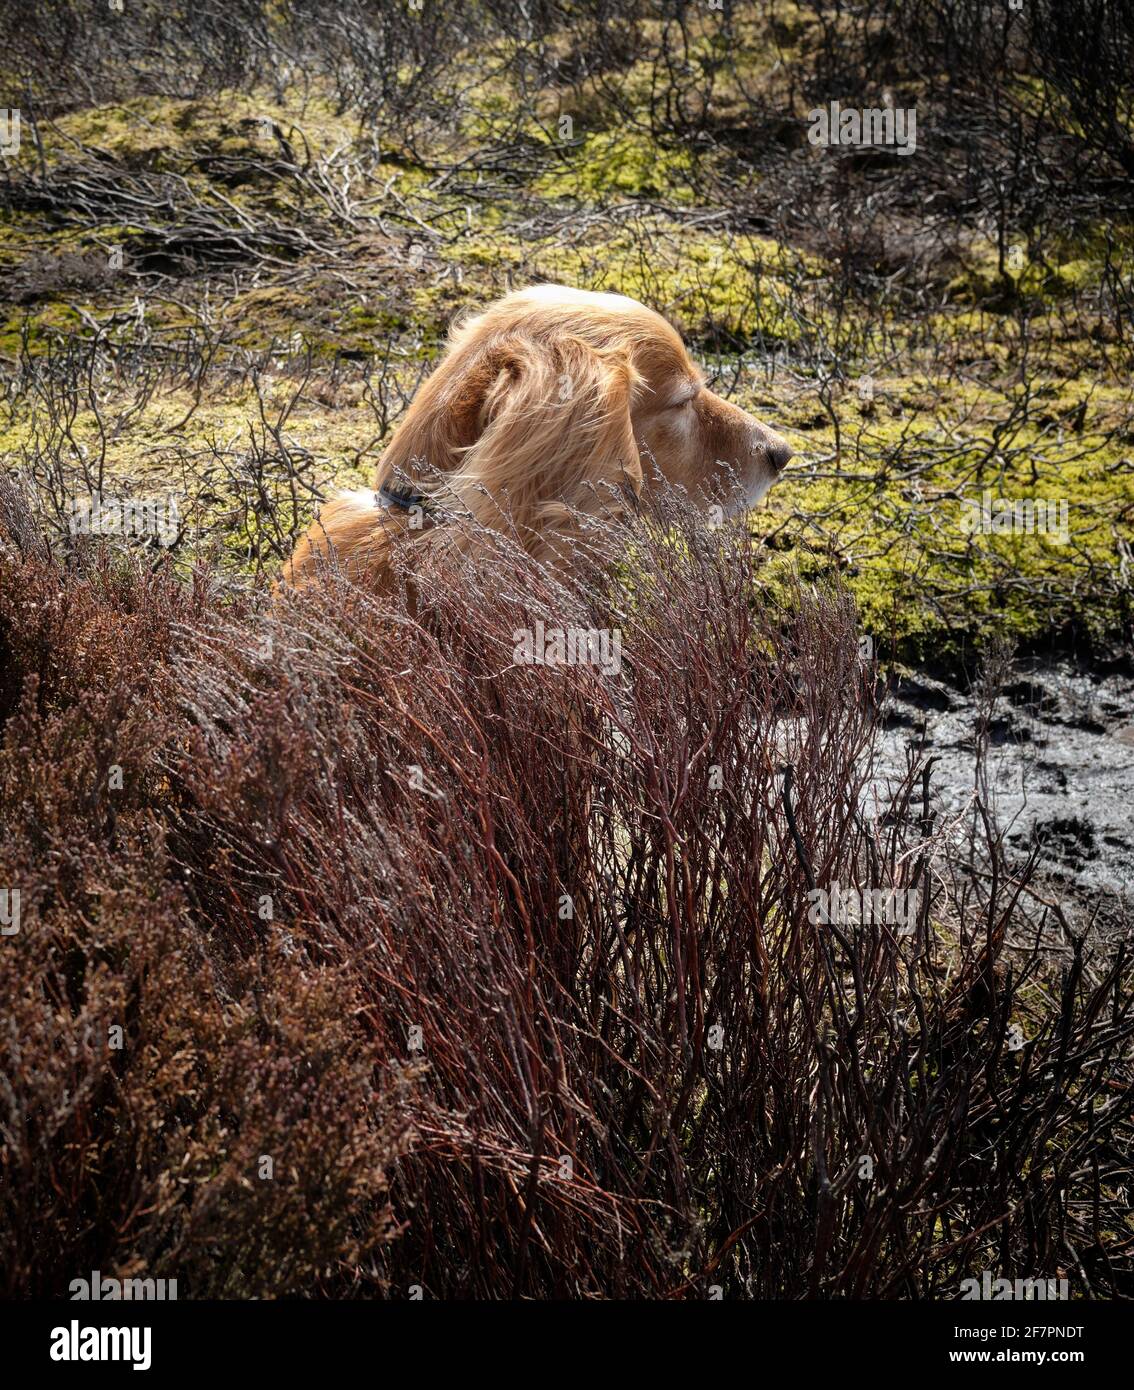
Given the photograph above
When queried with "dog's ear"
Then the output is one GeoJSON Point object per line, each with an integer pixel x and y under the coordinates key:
{"type": "Point", "coordinates": [553, 433]}
{"type": "Point", "coordinates": [443, 419]}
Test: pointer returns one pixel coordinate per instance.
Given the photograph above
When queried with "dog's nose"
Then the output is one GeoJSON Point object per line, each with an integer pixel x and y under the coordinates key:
{"type": "Point", "coordinates": [778, 453]}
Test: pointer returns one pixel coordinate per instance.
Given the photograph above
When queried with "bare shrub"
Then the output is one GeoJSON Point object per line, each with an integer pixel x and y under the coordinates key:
{"type": "Point", "coordinates": [539, 947]}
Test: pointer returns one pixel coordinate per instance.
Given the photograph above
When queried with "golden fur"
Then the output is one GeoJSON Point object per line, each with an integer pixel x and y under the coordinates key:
{"type": "Point", "coordinates": [552, 403]}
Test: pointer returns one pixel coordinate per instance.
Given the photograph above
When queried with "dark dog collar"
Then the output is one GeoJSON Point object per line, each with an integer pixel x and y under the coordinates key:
{"type": "Point", "coordinates": [405, 500]}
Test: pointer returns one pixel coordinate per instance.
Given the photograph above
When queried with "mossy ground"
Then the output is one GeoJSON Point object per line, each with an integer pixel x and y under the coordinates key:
{"type": "Point", "coordinates": [347, 263]}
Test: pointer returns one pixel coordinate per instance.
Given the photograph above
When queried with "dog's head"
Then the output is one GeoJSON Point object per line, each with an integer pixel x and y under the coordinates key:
{"type": "Point", "coordinates": [554, 398]}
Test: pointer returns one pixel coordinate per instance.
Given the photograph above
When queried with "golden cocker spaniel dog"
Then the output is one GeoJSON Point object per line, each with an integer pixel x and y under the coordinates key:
{"type": "Point", "coordinates": [554, 404]}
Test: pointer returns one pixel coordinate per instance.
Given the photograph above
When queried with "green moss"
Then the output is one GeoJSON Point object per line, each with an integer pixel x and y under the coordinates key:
{"type": "Point", "coordinates": [164, 132]}
{"type": "Point", "coordinates": [926, 586]}
{"type": "Point", "coordinates": [718, 291]}
{"type": "Point", "coordinates": [609, 165]}
{"type": "Point", "coordinates": [1069, 265]}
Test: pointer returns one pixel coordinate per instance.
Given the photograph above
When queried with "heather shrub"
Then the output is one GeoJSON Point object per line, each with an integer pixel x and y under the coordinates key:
{"type": "Point", "coordinates": [148, 1068]}
{"type": "Point", "coordinates": [511, 965]}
